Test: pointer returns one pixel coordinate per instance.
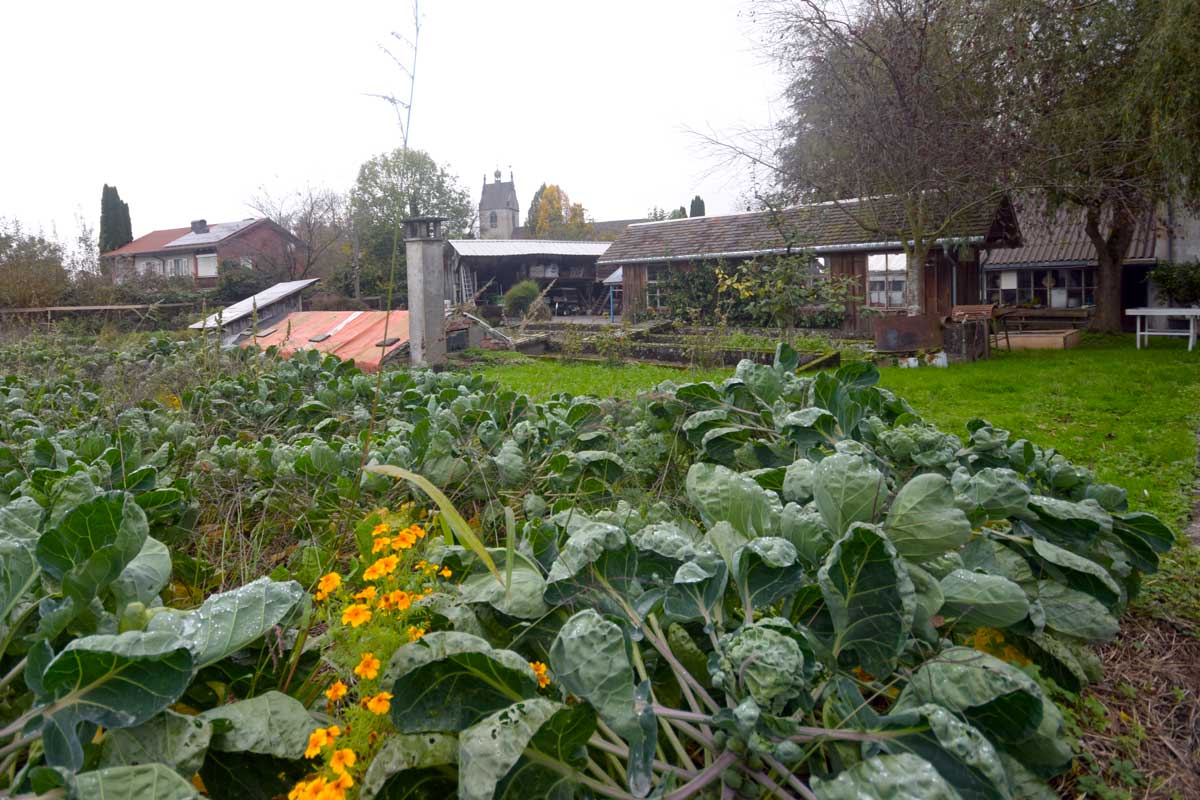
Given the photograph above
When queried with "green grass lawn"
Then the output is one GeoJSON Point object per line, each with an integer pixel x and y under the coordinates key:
{"type": "Point", "coordinates": [1130, 415]}
{"type": "Point", "coordinates": [541, 378]}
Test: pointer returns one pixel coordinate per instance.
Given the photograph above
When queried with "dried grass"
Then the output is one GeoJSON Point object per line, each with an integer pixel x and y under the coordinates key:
{"type": "Point", "coordinates": [1151, 691]}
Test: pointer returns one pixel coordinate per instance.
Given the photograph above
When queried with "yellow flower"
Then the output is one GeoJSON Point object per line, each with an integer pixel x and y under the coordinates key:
{"type": "Point", "coordinates": [445, 573]}
{"type": "Point", "coordinates": [367, 594]}
{"type": "Point", "coordinates": [356, 615]}
{"type": "Point", "coordinates": [382, 543]}
{"type": "Point", "coordinates": [415, 633]}
{"type": "Point", "coordinates": [342, 760]}
{"type": "Point", "coordinates": [343, 782]}
{"type": "Point", "coordinates": [328, 583]}
{"type": "Point", "coordinates": [368, 666]}
{"type": "Point", "coordinates": [334, 731]}
{"type": "Point", "coordinates": [380, 703]}
{"type": "Point", "coordinates": [384, 566]}
{"type": "Point", "coordinates": [380, 530]}
{"type": "Point", "coordinates": [316, 742]}
{"type": "Point", "coordinates": [420, 565]}
{"type": "Point", "coordinates": [404, 539]}
{"type": "Point", "coordinates": [397, 600]}
{"type": "Point", "coordinates": [336, 692]}
{"type": "Point", "coordinates": [307, 790]}
{"type": "Point", "coordinates": [539, 669]}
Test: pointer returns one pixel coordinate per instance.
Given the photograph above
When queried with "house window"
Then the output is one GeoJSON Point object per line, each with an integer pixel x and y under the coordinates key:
{"type": "Point", "coordinates": [178, 267]}
{"type": "Point", "coordinates": [656, 277]}
{"type": "Point", "coordinates": [887, 276]}
{"type": "Point", "coordinates": [1042, 288]}
{"type": "Point", "coordinates": [492, 219]}
{"type": "Point", "coordinates": [247, 262]}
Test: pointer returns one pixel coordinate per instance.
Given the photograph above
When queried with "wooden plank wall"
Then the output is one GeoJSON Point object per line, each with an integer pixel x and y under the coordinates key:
{"type": "Point", "coordinates": [633, 292]}
{"type": "Point", "coordinates": [855, 266]}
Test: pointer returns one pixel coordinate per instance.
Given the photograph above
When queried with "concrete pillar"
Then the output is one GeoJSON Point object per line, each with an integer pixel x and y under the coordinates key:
{"type": "Point", "coordinates": [424, 250]}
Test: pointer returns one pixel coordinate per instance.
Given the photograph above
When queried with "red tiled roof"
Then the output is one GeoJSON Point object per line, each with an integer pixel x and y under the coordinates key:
{"type": "Point", "coordinates": [152, 242]}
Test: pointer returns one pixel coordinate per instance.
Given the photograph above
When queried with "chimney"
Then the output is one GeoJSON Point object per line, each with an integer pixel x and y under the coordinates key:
{"type": "Point", "coordinates": [199, 226]}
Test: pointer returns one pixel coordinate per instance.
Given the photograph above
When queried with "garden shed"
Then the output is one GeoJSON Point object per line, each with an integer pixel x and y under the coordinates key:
{"type": "Point", "coordinates": [571, 266]}
{"type": "Point", "coordinates": [266, 308]}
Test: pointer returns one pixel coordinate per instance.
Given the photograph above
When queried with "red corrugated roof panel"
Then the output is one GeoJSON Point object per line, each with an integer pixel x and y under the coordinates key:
{"type": "Point", "coordinates": [352, 334]}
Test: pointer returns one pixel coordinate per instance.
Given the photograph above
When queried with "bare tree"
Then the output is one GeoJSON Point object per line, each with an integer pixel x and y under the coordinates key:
{"type": "Point", "coordinates": [893, 116]}
{"type": "Point", "coordinates": [319, 219]}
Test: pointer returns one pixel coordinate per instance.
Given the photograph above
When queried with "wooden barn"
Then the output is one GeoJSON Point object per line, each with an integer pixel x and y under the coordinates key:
{"type": "Point", "coordinates": [855, 238]}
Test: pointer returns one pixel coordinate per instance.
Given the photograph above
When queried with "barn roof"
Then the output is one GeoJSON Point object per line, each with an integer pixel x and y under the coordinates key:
{"type": "Point", "coordinates": [828, 227]}
{"type": "Point", "coordinates": [244, 308]}
{"type": "Point", "coordinates": [527, 247]}
{"type": "Point", "coordinates": [346, 334]}
{"type": "Point", "coordinates": [1061, 239]}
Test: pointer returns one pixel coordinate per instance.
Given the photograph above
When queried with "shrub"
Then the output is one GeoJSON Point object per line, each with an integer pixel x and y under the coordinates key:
{"type": "Point", "coordinates": [518, 299]}
{"type": "Point", "coordinates": [1179, 281]}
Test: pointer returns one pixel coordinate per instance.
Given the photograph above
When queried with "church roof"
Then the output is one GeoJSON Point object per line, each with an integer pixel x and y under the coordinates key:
{"type": "Point", "coordinates": [498, 195]}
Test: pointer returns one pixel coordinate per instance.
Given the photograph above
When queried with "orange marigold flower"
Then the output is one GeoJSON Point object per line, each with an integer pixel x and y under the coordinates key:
{"type": "Point", "coordinates": [316, 742]}
{"type": "Point", "coordinates": [445, 572]}
{"type": "Point", "coordinates": [342, 760]}
{"type": "Point", "coordinates": [334, 731]}
{"type": "Point", "coordinates": [368, 666]}
{"type": "Point", "coordinates": [397, 600]}
{"type": "Point", "coordinates": [380, 530]}
{"type": "Point", "coordinates": [366, 594]}
{"type": "Point", "coordinates": [356, 615]}
{"type": "Point", "coordinates": [380, 703]}
{"type": "Point", "coordinates": [384, 566]}
{"type": "Point", "coordinates": [415, 633]}
{"type": "Point", "coordinates": [343, 782]}
{"type": "Point", "coordinates": [382, 543]}
{"type": "Point", "coordinates": [404, 540]}
{"type": "Point", "coordinates": [336, 692]}
{"type": "Point", "coordinates": [328, 583]}
{"type": "Point", "coordinates": [539, 669]}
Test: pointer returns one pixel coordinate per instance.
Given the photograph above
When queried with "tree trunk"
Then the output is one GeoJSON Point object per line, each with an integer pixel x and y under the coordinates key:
{"type": "Point", "coordinates": [914, 285]}
{"type": "Point", "coordinates": [1111, 250]}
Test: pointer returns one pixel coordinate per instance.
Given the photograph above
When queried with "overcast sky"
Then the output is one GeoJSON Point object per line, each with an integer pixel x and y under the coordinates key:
{"type": "Point", "coordinates": [190, 108]}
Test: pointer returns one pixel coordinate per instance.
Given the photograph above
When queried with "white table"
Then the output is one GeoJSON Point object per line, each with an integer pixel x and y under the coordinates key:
{"type": "Point", "coordinates": [1144, 333]}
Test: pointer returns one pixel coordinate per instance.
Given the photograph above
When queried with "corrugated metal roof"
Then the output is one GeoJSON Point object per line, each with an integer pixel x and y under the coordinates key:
{"type": "Point", "coordinates": [244, 308]}
{"type": "Point", "coordinates": [351, 335]}
{"type": "Point", "coordinates": [1062, 239]}
{"type": "Point", "coordinates": [527, 247]}
{"type": "Point", "coordinates": [822, 226]}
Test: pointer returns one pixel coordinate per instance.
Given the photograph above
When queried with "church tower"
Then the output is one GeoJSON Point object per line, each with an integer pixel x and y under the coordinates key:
{"type": "Point", "coordinates": [499, 214]}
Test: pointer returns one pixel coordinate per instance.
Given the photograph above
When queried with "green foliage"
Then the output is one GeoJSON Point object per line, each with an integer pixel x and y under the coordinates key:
{"type": "Point", "coordinates": [520, 297]}
{"type": "Point", "coordinates": [769, 522]}
{"type": "Point", "coordinates": [777, 292]}
{"type": "Point", "coordinates": [1179, 281]}
{"type": "Point", "coordinates": [696, 209]}
{"type": "Point", "coordinates": [115, 228]}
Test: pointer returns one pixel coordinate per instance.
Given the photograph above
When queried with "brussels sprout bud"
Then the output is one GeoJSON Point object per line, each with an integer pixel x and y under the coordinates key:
{"type": "Point", "coordinates": [732, 778]}
{"type": "Point", "coordinates": [133, 618]}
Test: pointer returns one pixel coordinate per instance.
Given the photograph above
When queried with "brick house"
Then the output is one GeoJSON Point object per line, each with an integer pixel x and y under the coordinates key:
{"type": "Point", "coordinates": [199, 251]}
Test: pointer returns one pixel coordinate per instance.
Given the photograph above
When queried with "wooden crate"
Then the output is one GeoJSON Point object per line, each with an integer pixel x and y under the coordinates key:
{"type": "Point", "coordinates": [1045, 340]}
